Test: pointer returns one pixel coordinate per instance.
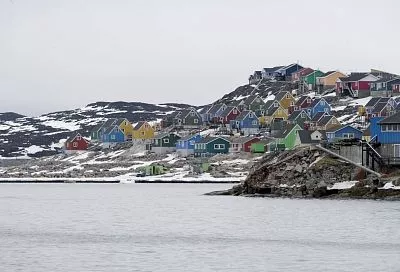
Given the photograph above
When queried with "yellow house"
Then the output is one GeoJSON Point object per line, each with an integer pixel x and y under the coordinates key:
{"type": "Point", "coordinates": [329, 78]}
{"type": "Point", "coordinates": [126, 127]}
{"type": "Point", "coordinates": [143, 131]}
{"type": "Point", "coordinates": [275, 113]}
{"type": "Point", "coordinates": [285, 99]}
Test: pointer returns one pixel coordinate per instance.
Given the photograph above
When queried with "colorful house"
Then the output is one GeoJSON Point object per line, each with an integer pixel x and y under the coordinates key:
{"type": "Point", "coordinates": [383, 87]}
{"type": "Point", "coordinates": [310, 80]}
{"type": "Point", "coordinates": [386, 132]}
{"type": "Point", "coordinates": [164, 143]}
{"type": "Point", "coordinates": [299, 117]}
{"type": "Point", "coordinates": [275, 113]}
{"type": "Point", "coordinates": [142, 131]}
{"type": "Point", "coordinates": [285, 99]}
{"type": "Point", "coordinates": [343, 132]}
{"type": "Point", "coordinates": [308, 138]}
{"type": "Point", "coordinates": [328, 80]}
{"type": "Point", "coordinates": [215, 112]}
{"type": "Point", "coordinates": [304, 102]}
{"type": "Point", "coordinates": [382, 109]}
{"type": "Point", "coordinates": [188, 119]}
{"type": "Point", "coordinates": [261, 146]}
{"type": "Point", "coordinates": [97, 134]}
{"type": "Point", "coordinates": [317, 117]}
{"type": "Point", "coordinates": [76, 143]}
{"type": "Point", "coordinates": [203, 113]}
{"type": "Point", "coordinates": [247, 123]}
{"type": "Point", "coordinates": [296, 76]}
{"type": "Point", "coordinates": [210, 146]}
{"type": "Point", "coordinates": [328, 122]}
{"type": "Point", "coordinates": [285, 73]}
{"type": "Point", "coordinates": [229, 114]}
{"type": "Point", "coordinates": [255, 77]}
{"type": "Point", "coordinates": [288, 136]}
{"type": "Point", "coordinates": [113, 135]}
{"type": "Point", "coordinates": [185, 145]}
{"type": "Point", "coordinates": [355, 85]}
{"type": "Point", "coordinates": [318, 105]}
{"type": "Point", "coordinates": [126, 127]}
{"type": "Point", "coordinates": [396, 89]}
{"type": "Point", "coordinates": [254, 103]}
{"type": "Point", "coordinates": [269, 73]}
{"type": "Point", "coordinates": [242, 144]}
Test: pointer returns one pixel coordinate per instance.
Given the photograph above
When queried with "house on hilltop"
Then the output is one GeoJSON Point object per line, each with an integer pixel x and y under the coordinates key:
{"type": "Point", "coordinates": [355, 85]}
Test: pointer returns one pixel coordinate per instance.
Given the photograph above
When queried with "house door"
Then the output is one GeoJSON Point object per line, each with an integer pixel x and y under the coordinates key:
{"type": "Point", "coordinates": [396, 153]}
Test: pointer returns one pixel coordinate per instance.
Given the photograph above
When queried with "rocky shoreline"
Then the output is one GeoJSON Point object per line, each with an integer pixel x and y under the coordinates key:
{"type": "Point", "coordinates": [311, 173]}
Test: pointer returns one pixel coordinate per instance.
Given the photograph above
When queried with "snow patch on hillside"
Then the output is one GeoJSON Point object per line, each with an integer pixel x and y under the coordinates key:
{"type": "Point", "coordinates": [61, 125]}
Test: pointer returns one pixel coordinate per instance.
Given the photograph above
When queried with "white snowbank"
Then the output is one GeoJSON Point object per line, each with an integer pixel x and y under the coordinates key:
{"type": "Point", "coordinates": [361, 101]}
{"type": "Point", "coordinates": [390, 185]}
{"type": "Point", "coordinates": [33, 149]}
{"type": "Point", "coordinates": [339, 108]}
{"type": "Point", "coordinates": [61, 125]}
{"type": "Point", "coordinates": [343, 185]}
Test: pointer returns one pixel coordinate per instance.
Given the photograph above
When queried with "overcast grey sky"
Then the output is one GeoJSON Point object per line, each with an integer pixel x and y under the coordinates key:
{"type": "Point", "coordinates": [63, 54]}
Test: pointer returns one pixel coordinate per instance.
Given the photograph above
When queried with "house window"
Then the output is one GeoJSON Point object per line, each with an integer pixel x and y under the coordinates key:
{"type": "Point", "coordinates": [219, 146]}
{"type": "Point", "coordinates": [234, 111]}
{"type": "Point", "coordinates": [126, 123]}
{"type": "Point", "coordinates": [348, 135]}
{"type": "Point", "coordinates": [334, 121]}
{"type": "Point", "coordinates": [113, 137]}
{"type": "Point", "coordinates": [308, 101]}
{"type": "Point", "coordinates": [322, 102]}
{"type": "Point", "coordinates": [262, 112]}
{"type": "Point", "coordinates": [78, 138]}
{"type": "Point", "coordinates": [303, 115]}
{"type": "Point", "coordinates": [255, 122]}
{"type": "Point", "coordinates": [383, 128]}
{"type": "Point", "coordinates": [143, 133]}
{"type": "Point", "coordinates": [291, 103]}
{"type": "Point", "coordinates": [287, 96]}
{"type": "Point", "coordinates": [166, 141]}
{"type": "Point", "coordinates": [196, 121]}
{"type": "Point", "coordinates": [192, 113]}
{"type": "Point", "coordinates": [250, 115]}
{"type": "Point", "coordinates": [156, 141]}
{"type": "Point", "coordinates": [191, 142]}
{"type": "Point", "coordinates": [75, 144]}
{"type": "Point", "coordinates": [275, 104]}
{"type": "Point", "coordinates": [326, 110]}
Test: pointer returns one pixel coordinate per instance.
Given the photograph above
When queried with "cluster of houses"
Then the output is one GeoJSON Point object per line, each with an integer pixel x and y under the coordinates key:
{"type": "Point", "coordinates": [256, 124]}
{"type": "Point", "coordinates": [356, 84]}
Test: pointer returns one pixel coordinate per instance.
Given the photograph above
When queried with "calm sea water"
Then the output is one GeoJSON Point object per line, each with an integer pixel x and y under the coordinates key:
{"type": "Point", "coordinates": [149, 227]}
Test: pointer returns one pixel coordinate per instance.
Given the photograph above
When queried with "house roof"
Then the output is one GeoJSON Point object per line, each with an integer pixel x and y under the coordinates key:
{"type": "Point", "coordinates": [385, 79]}
{"type": "Point", "coordinates": [305, 136]}
{"type": "Point", "coordinates": [188, 137]}
{"type": "Point", "coordinates": [227, 111]}
{"type": "Point", "coordinates": [294, 115]}
{"type": "Point", "coordinates": [73, 136]}
{"type": "Point", "coordinates": [272, 69]}
{"type": "Point", "coordinates": [354, 77]}
{"type": "Point", "coordinates": [342, 127]}
{"type": "Point", "coordinates": [97, 127]}
{"type": "Point", "coordinates": [318, 116]}
{"type": "Point", "coordinates": [327, 73]}
{"type": "Point", "coordinates": [285, 132]}
{"type": "Point", "coordinates": [121, 120]}
{"type": "Point", "coordinates": [205, 109]}
{"type": "Point", "coordinates": [241, 140]}
{"type": "Point", "coordinates": [325, 120]}
{"type": "Point", "coordinates": [111, 128]}
{"type": "Point", "coordinates": [271, 111]}
{"type": "Point", "coordinates": [162, 135]}
{"type": "Point", "coordinates": [301, 100]}
{"type": "Point", "coordinates": [379, 107]}
{"type": "Point", "coordinates": [109, 122]}
{"type": "Point", "coordinates": [393, 119]}
{"type": "Point", "coordinates": [209, 139]}
{"type": "Point", "coordinates": [373, 101]}
{"type": "Point", "coordinates": [215, 108]}
{"type": "Point", "coordinates": [139, 125]}
{"type": "Point", "coordinates": [186, 112]}
{"type": "Point", "coordinates": [243, 114]}
{"type": "Point", "coordinates": [269, 104]}
{"type": "Point", "coordinates": [250, 99]}
{"type": "Point", "coordinates": [280, 95]}
{"type": "Point", "coordinates": [316, 101]}
{"type": "Point", "coordinates": [258, 73]}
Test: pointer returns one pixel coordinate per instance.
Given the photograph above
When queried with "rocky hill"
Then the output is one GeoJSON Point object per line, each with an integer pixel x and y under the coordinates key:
{"type": "Point", "coordinates": [22, 136]}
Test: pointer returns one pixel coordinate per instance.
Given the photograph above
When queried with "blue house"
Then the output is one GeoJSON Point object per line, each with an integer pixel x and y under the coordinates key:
{"type": "Point", "coordinates": [344, 132]}
{"type": "Point", "coordinates": [185, 145]}
{"type": "Point", "coordinates": [285, 73]}
{"type": "Point", "coordinates": [318, 105]}
{"type": "Point", "coordinates": [247, 123]}
{"type": "Point", "coordinates": [386, 132]}
{"type": "Point", "coordinates": [215, 112]}
{"type": "Point", "coordinates": [113, 135]}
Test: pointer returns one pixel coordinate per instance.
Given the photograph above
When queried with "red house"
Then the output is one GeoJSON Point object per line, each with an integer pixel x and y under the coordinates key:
{"type": "Point", "coordinates": [242, 144]}
{"type": "Point", "coordinates": [76, 143]}
{"type": "Point", "coordinates": [355, 85]}
{"type": "Point", "coordinates": [396, 88]}
{"type": "Point", "coordinates": [230, 113]}
{"type": "Point", "coordinates": [296, 76]}
{"type": "Point", "coordinates": [304, 102]}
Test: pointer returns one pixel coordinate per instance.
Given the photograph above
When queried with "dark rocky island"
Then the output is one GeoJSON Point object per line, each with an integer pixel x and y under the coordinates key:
{"type": "Point", "coordinates": [311, 173]}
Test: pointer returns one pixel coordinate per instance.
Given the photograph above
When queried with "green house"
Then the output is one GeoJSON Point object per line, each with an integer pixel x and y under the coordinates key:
{"type": "Point", "coordinates": [211, 146]}
{"type": "Point", "coordinates": [299, 117]}
{"type": "Point", "coordinates": [288, 136]}
{"type": "Point", "coordinates": [311, 79]}
{"type": "Point", "coordinates": [164, 143]}
{"type": "Point", "coordinates": [261, 146]}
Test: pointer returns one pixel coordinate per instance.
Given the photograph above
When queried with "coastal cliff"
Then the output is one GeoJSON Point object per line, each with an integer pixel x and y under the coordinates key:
{"type": "Point", "coordinates": [311, 173]}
